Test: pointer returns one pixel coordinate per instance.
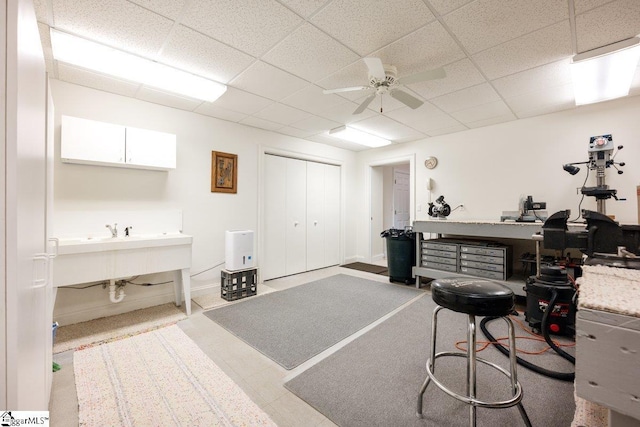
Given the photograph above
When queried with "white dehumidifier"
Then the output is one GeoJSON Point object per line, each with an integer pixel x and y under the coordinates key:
{"type": "Point", "coordinates": [238, 250]}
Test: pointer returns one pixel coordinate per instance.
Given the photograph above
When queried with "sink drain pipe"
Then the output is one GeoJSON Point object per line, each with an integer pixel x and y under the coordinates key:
{"type": "Point", "coordinates": [112, 291]}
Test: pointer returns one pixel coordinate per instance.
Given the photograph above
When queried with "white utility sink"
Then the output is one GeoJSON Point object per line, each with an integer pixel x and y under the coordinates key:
{"type": "Point", "coordinates": [92, 259]}
{"type": "Point", "coordinates": [98, 244]}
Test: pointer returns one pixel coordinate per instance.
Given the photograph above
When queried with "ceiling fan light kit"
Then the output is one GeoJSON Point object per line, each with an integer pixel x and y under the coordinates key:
{"type": "Point", "coordinates": [383, 79]}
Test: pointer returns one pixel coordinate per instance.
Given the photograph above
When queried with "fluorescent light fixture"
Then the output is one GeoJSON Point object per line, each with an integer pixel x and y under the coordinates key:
{"type": "Point", "coordinates": [605, 73]}
{"type": "Point", "coordinates": [358, 136]}
{"type": "Point", "coordinates": [107, 60]}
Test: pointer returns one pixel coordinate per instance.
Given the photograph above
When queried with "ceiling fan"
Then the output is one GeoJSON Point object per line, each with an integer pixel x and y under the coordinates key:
{"type": "Point", "coordinates": [382, 79]}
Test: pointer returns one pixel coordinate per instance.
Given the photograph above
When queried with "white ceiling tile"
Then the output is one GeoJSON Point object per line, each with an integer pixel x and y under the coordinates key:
{"type": "Point", "coordinates": [315, 124]}
{"type": "Point", "coordinates": [343, 113]}
{"type": "Point", "coordinates": [445, 6]}
{"type": "Point", "coordinates": [280, 113]}
{"type": "Point", "coordinates": [298, 133]}
{"type": "Point", "coordinates": [170, 100]}
{"type": "Point", "coordinates": [492, 121]}
{"type": "Point", "coordinates": [535, 80]}
{"type": "Point", "coordinates": [268, 81]}
{"type": "Point", "coordinates": [209, 109]}
{"type": "Point", "coordinates": [261, 123]}
{"type": "Point", "coordinates": [496, 110]}
{"type": "Point", "coordinates": [355, 74]}
{"type": "Point", "coordinates": [424, 119]}
{"type": "Point", "coordinates": [448, 130]}
{"type": "Point", "coordinates": [242, 102]}
{"type": "Point", "coordinates": [87, 78]}
{"type": "Point", "coordinates": [426, 48]}
{"type": "Point", "coordinates": [116, 23]}
{"type": "Point", "coordinates": [365, 27]}
{"type": "Point", "coordinates": [253, 26]}
{"type": "Point", "coordinates": [169, 8]}
{"type": "Point", "coordinates": [486, 23]}
{"type": "Point", "coordinates": [304, 7]}
{"type": "Point", "coordinates": [548, 99]}
{"type": "Point", "coordinates": [615, 21]}
{"type": "Point", "coordinates": [470, 97]}
{"type": "Point", "coordinates": [312, 99]}
{"type": "Point", "coordinates": [386, 128]}
{"type": "Point", "coordinates": [582, 6]}
{"type": "Point", "coordinates": [460, 74]}
{"type": "Point", "coordinates": [194, 52]}
{"type": "Point", "coordinates": [309, 53]}
{"type": "Point", "coordinates": [544, 46]}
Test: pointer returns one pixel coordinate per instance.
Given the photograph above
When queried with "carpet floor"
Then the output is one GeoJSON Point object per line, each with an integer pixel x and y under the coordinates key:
{"type": "Point", "coordinates": [375, 380]}
{"type": "Point", "coordinates": [159, 378]}
{"type": "Point", "coordinates": [104, 329]}
{"type": "Point", "coordinates": [293, 325]}
{"type": "Point", "coordinates": [213, 299]}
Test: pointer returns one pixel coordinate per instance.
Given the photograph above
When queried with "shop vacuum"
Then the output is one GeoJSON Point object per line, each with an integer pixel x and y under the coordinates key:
{"type": "Point", "coordinates": [553, 295]}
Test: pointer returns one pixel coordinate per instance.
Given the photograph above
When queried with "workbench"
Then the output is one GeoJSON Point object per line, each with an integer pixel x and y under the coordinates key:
{"type": "Point", "coordinates": [608, 342]}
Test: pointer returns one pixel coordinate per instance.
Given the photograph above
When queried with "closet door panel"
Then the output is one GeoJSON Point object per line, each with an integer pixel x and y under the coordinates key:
{"type": "Point", "coordinates": [332, 215]}
{"type": "Point", "coordinates": [315, 215]}
{"type": "Point", "coordinates": [274, 264]}
{"type": "Point", "coordinates": [296, 202]}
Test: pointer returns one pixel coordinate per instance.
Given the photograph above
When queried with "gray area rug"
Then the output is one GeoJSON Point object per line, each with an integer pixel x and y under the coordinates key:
{"type": "Point", "coordinates": [375, 380]}
{"type": "Point", "coordinates": [293, 325]}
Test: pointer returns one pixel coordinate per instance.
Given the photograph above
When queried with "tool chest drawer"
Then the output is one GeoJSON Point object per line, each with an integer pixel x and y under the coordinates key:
{"type": "Point", "coordinates": [440, 254]}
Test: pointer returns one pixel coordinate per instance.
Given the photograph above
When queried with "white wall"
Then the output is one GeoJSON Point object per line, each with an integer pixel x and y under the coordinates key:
{"type": "Point", "coordinates": [488, 169]}
{"type": "Point", "coordinates": [92, 190]}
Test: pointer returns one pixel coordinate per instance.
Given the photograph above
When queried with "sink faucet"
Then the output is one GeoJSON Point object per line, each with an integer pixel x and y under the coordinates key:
{"type": "Point", "coordinates": [127, 230]}
{"type": "Point", "coordinates": [113, 230]}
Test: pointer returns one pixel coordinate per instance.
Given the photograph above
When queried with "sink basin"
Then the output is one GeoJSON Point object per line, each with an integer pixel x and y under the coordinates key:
{"type": "Point", "coordinates": [105, 243]}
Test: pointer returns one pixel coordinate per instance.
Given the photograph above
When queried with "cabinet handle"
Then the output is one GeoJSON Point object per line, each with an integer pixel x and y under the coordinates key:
{"type": "Point", "coordinates": [315, 222]}
{"type": "Point", "coordinates": [295, 223]}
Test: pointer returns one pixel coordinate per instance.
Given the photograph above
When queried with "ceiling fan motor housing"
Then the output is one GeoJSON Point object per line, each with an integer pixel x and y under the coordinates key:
{"type": "Point", "coordinates": [381, 86]}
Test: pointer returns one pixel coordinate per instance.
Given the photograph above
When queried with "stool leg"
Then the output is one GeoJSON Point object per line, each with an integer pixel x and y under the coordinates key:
{"type": "Point", "coordinates": [513, 368]}
{"type": "Point", "coordinates": [471, 368]}
{"type": "Point", "coordinates": [432, 358]}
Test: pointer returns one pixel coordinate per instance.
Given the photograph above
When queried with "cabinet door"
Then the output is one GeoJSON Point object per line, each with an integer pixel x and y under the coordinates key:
{"type": "Point", "coordinates": [275, 183]}
{"type": "Point", "coordinates": [296, 206]}
{"type": "Point", "coordinates": [315, 215]}
{"type": "Point", "coordinates": [91, 142]}
{"type": "Point", "coordinates": [332, 215]}
{"type": "Point", "coordinates": [150, 149]}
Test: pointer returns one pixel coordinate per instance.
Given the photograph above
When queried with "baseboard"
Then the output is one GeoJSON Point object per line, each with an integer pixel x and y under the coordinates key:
{"type": "Point", "coordinates": [353, 259]}
{"type": "Point", "coordinates": [378, 257]}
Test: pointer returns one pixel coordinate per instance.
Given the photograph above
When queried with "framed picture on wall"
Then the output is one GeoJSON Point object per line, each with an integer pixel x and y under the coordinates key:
{"type": "Point", "coordinates": [224, 172]}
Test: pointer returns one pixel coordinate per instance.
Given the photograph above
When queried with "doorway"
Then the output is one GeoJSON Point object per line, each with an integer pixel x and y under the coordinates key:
{"type": "Point", "coordinates": [391, 201]}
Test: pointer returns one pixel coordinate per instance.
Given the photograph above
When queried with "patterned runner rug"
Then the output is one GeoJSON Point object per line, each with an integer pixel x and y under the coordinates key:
{"type": "Point", "coordinates": [159, 378]}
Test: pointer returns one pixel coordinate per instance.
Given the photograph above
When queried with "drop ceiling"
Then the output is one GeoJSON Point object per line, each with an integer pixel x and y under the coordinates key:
{"type": "Point", "coordinates": [504, 60]}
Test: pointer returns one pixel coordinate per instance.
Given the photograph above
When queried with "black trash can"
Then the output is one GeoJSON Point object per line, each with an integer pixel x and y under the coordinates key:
{"type": "Point", "coordinates": [401, 254]}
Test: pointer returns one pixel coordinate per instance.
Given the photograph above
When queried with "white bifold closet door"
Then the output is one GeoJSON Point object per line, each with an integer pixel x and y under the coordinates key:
{"type": "Point", "coordinates": [302, 216]}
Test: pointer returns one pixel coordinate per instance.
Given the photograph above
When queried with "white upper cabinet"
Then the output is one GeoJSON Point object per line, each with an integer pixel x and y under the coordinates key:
{"type": "Point", "coordinates": [148, 148]}
{"type": "Point", "coordinates": [97, 143]}
{"type": "Point", "coordinates": [88, 141]}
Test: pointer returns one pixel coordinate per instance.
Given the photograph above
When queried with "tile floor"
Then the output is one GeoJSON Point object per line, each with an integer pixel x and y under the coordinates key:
{"type": "Point", "coordinates": [261, 378]}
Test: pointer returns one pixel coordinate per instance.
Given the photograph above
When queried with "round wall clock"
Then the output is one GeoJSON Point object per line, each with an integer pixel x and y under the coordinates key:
{"type": "Point", "coordinates": [431, 162]}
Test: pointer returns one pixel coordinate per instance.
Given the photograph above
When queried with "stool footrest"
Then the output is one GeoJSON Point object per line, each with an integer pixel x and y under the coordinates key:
{"type": "Point", "coordinates": [472, 401]}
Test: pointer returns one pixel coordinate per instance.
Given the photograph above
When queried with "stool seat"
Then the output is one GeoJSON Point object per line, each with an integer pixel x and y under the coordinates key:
{"type": "Point", "coordinates": [474, 296]}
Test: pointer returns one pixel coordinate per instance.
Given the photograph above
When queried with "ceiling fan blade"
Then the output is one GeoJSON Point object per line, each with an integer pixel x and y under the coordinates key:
{"type": "Point", "coordinates": [365, 104]}
{"type": "Point", "coordinates": [408, 100]}
{"type": "Point", "coordinates": [376, 69]}
{"type": "Point", "coordinates": [438, 73]}
{"type": "Point", "coordinates": [345, 89]}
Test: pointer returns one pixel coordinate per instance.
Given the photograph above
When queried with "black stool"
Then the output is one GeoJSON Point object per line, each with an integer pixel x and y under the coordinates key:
{"type": "Point", "coordinates": [474, 297]}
